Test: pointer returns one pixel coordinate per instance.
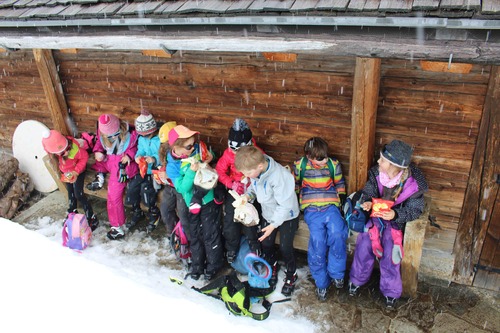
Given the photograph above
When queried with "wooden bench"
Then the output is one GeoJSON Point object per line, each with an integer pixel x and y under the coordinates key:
{"type": "Point", "coordinates": [412, 243]}
{"type": "Point", "coordinates": [412, 246]}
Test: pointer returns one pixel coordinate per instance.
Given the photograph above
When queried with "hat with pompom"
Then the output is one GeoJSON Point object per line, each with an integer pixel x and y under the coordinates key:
{"type": "Point", "coordinates": [54, 142]}
{"type": "Point", "coordinates": [145, 123]}
{"type": "Point", "coordinates": [397, 153]}
{"type": "Point", "coordinates": [239, 134]}
{"type": "Point", "coordinates": [109, 124]}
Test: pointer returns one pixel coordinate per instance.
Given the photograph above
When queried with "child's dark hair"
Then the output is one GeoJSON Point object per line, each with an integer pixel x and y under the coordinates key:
{"type": "Point", "coordinates": [316, 148]}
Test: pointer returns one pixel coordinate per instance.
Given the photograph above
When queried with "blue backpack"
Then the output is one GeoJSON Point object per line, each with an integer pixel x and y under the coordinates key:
{"type": "Point", "coordinates": [354, 215]}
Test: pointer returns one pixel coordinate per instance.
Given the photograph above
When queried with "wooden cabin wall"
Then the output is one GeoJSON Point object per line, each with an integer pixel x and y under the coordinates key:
{"type": "Point", "coordinates": [439, 115]}
{"type": "Point", "coordinates": [285, 103]}
{"type": "Point", "coordinates": [21, 94]}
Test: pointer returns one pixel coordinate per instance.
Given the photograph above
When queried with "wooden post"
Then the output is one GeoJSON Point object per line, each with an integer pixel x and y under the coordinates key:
{"type": "Point", "coordinates": [479, 199]}
{"type": "Point", "coordinates": [51, 165]}
{"type": "Point", "coordinates": [364, 117]}
{"type": "Point", "coordinates": [412, 246]}
{"type": "Point", "coordinates": [53, 91]}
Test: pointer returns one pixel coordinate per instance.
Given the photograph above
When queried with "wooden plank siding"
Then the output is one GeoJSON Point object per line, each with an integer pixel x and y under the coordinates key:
{"type": "Point", "coordinates": [285, 103]}
{"type": "Point", "coordinates": [281, 101]}
{"type": "Point", "coordinates": [21, 94]}
{"type": "Point", "coordinates": [438, 114]}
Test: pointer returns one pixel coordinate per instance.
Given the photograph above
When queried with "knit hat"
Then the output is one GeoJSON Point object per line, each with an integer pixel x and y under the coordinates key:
{"type": "Point", "coordinates": [109, 124]}
{"type": "Point", "coordinates": [145, 124]}
{"type": "Point", "coordinates": [239, 134]}
{"type": "Point", "coordinates": [397, 153]}
{"type": "Point", "coordinates": [54, 142]}
{"type": "Point", "coordinates": [181, 132]}
{"type": "Point", "coordinates": [163, 134]}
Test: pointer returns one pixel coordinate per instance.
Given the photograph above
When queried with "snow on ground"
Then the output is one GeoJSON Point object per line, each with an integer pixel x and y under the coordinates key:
{"type": "Point", "coordinates": [120, 286]}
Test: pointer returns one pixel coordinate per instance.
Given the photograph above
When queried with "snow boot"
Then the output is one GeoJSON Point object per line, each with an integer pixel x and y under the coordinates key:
{"type": "Point", "coordinates": [154, 219]}
{"type": "Point", "coordinates": [289, 285]}
{"type": "Point", "coordinates": [274, 277]}
{"type": "Point", "coordinates": [97, 183]}
{"type": "Point", "coordinates": [115, 233]}
{"type": "Point", "coordinates": [137, 215]}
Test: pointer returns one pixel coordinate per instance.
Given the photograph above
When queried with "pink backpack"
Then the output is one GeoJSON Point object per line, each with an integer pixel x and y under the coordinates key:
{"type": "Point", "coordinates": [76, 233]}
{"type": "Point", "coordinates": [180, 244]}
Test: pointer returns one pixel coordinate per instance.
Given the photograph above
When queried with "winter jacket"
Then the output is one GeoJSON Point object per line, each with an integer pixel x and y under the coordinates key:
{"type": "Point", "coordinates": [275, 191]}
{"type": "Point", "coordinates": [149, 146]}
{"type": "Point", "coordinates": [183, 177]}
{"type": "Point", "coordinates": [76, 160]}
{"type": "Point", "coordinates": [317, 187]}
{"type": "Point", "coordinates": [410, 203]}
{"type": "Point", "coordinates": [226, 170]}
{"type": "Point", "coordinates": [113, 156]}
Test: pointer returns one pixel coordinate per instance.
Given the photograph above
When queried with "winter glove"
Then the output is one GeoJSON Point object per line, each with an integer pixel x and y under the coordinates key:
{"type": "Point", "coordinates": [238, 187]}
{"type": "Point", "coordinates": [377, 248]}
{"type": "Point", "coordinates": [122, 176]}
{"type": "Point", "coordinates": [397, 249]}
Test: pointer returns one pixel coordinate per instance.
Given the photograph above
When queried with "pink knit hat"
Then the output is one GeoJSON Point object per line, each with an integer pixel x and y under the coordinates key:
{"type": "Point", "coordinates": [109, 124]}
{"type": "Point", "coordinates": [54, 142]}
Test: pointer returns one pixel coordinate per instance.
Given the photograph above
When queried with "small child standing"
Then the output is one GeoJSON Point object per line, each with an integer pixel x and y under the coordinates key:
{"type": "Point", "coordinates": [274, 188]}
{"type": "Point", "coordinates": [322, 190]}
{"type": "Point", "coordinates": [73, 164]}
{"type": "Point", "coordinates": [240, 135]}
{"type": "Point", "coordinates": [139, 187]}
{"type": "Point", "coordinates": [172, 206]}
{"type": "Point", "coordinates": [204, 224]}
{"type": "Point", "coordinates": [114, 151]}
{"type": "Point", "coordinates": [397, 180]}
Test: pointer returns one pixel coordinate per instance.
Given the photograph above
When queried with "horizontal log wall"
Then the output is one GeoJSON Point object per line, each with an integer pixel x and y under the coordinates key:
{"type": "Point", "coordinates": [284, 103]}
{"type": "Point", "coordinates": [438, 114]}
{"type": "Point", "coordinates": [21, 94]}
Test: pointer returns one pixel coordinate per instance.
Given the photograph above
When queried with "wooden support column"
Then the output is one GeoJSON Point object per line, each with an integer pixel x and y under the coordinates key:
{"type": "Point", "coordinates": [364, 117]}
{"type": "Point", "coordinates": [482, 188]}
{"type": "Point", "coordinates": [53, 91]}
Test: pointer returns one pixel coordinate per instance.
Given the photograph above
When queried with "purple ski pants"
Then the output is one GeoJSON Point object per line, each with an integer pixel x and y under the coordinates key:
{"type": "Point", "coordinates": [364, 260]}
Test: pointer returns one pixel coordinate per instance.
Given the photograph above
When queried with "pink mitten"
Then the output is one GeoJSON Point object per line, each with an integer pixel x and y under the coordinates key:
{"type": "Point", "coordinates": [377, 248]}
{"type": "Point", "coordinates": [238, 187]}
{"type": "Point", "coordinates": [397, 249]}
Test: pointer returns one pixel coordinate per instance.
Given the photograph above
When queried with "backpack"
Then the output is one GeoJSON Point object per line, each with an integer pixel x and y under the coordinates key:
{"type": "Point", "coordinates": [354, 215]}
{"type": "Point", "coordinates": [180, 244]}
{"type": "Point", "coordinates": [76, 232]}
{"type": "Point", "coordinates": [237, 296]}
{"type": "Point", "coordinates": [303, 164]}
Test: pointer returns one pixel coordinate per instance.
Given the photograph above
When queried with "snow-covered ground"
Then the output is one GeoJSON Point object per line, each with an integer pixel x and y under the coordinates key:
{"type": "Point", "coordinates": [121, 286]}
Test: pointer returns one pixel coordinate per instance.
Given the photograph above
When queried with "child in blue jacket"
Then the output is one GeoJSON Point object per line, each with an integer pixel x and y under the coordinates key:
{"type": "Point", "coordinates": [143, 186]}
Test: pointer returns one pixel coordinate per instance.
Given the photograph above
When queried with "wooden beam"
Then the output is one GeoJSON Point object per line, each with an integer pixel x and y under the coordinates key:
{"type": "Point", "coordinates": [481, 189]}
{"type": "Point", "coordinates": [53, 91]}
{"type": "Point", "coordinates": [280, 57]}
{"type": "Point", "coordinates": [364, 115]}
{"type": "Point", "coordinates": [157, 53]}
{"type": "Point", "coordinates": [413, 245]}
{"type": "Point", "coordinates": [445, 67]}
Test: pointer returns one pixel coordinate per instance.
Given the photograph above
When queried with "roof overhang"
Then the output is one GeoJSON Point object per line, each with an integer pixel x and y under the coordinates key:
{"type": "Point", "coordinates": [466, 40]}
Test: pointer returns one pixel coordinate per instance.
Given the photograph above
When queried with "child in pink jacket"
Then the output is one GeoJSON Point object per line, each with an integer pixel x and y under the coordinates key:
{"type": "Point", "coordinates": [72, 159]}
{"type": "Point", "coordinates": [115, 151]}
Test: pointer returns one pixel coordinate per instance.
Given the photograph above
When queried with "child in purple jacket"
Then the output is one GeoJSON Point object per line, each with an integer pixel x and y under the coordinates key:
{"type": "Point", "coordinates": [397, 180]}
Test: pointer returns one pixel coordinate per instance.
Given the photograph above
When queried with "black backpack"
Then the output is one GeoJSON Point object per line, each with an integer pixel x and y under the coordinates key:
{"type": "Point", "coordinates": [237, 295]}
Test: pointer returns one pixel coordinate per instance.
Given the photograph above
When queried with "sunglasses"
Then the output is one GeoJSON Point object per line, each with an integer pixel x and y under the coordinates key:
{"type": "Point", "coordinates": [113, 135]}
